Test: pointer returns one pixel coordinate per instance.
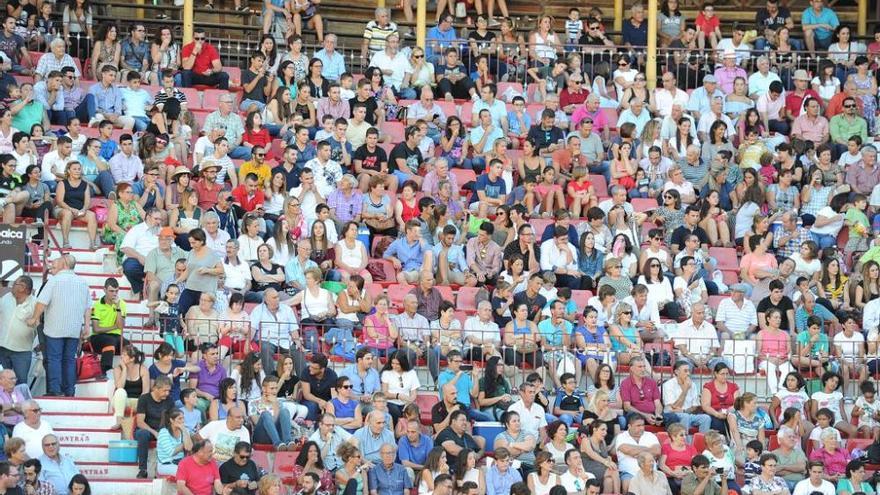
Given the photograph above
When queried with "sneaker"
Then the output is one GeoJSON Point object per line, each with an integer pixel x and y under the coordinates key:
{"type": "Point", "coordinates": [494, 22]}
{"type": "Point", "coordinates": [142, 474]}
{"type": "Point", "coordinates": [94, 121]}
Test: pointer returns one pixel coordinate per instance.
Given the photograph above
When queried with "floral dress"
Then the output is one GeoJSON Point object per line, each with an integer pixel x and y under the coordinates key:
{"type": "Point", "coordinates": [869, 101]}
{"type": "Point", "coordinates": [126, 218]}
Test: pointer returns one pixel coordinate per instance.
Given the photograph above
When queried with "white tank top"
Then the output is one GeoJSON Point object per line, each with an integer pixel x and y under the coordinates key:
{"type": "Point", "coordinates": [541, 489]}
{"type": "Point", "coordinates": [314, 305]}
{"type": "Point", "coordinates": [351, 257]}
{"type": "Point", "coordinates": [545, 47]}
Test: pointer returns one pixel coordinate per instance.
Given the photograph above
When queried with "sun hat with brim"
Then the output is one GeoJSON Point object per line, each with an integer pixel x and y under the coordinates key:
{"type": "Point", "coordinates": [208, 165]}
{"type": "Point", "coordinates": [801, 75]}
{"type": "Point", "coordinates": [181, 170]}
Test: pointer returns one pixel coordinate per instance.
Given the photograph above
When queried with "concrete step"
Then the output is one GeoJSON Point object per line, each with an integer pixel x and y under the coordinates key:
{"type": "Point", "coordinates": [87, 453]}
{"type": "Point", "coordinates": [101, 389]}
{"type": "Point", "coordinates": [83, 436]}
{"type": "Point", "coordinates": [126, 486]}
{"type": "Point", "coordinates": [107, 470]}
{"type": "Point", "coordinates": [73, 420]}
{"type": "Point", "coordinates": [74, 405]}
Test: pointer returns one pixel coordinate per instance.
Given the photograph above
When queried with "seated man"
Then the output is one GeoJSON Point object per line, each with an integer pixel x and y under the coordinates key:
{"type": "Point", "coordinates": [408, 254]}
{"type": "Point", "coordinates": [272, 420]}
{"type": "Point", "coordinates": [201, 64]}
{"type": "Point", "coordinates": [455, 438]}
{"type": "Point", "coordinates": [198, 473]}
{"type": "Point", "coordinates": [151, 410]}
{"type": "Point", "coordinates": [32, 428]}
{"type": "Point", "coordinates": [389, 477]}
{"type": "Point", "coordinates": [373, 435]}
{"type": "Point", "coordinates": [58, 468]}
{"type": "Point", "coordinates": [490, 190]}
{"type": "Point", "coordinates": [108, 320]}
{"type": "Point", "coordinates": [241, 473]}
{"type": "Point", "coordinates": [452, 78]}
{"type": "Point", "coordinates": [138, 242]}
{"type": "Point", "coordinates": [12, 398]}
{"type": "Point", "coordinates": [226, 434]}
{"type": "Point", "coordinates": [699, 344]}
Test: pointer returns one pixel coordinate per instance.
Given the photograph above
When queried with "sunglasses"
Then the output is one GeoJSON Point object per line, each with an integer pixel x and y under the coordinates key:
{"type": "Point", "coordinates": [849, 106]}
{"type": "Point", "coordinates": [654, 265]}
{"type": "Point", "coordinates": [418, 56]}
{"type": "Point", "coordinates": [199, 38]}
{"type": "Point", "coordinates": [347, 387]}
{"type": "Point", "coordinates": [261, 155]}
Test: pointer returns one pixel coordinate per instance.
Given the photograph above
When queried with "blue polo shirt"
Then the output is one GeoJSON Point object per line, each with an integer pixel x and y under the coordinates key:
{"type": "Point", "coordinates": [462, 386]}
{"type": "Point", "coordinates": [370, 444]}
{"type": "Point", "coordinates": [444, 39]}
{"type": "Point", "coordinates": [388, 481]}
{"type": "Point", "coordinates": [552, 334]}
{"type": "Point", "coordinates": [416, 454]}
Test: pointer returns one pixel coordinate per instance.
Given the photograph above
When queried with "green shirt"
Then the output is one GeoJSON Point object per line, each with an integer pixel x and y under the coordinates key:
{"type": "Point", "coordinates": [855, 216]}
{"type": "Point", "coordinates": [845, 485]}
{"type": "Point", "coordinates": [842, 128]}
{"type": "Point", "coordinates": [821, 344]}
{"type": "Point", "coordinates": [105, 314]}
{"type": "Point", "coordinates": [796, 456]}
{"type": "Point", "coordinates": [30, 114]}
{"type": "Point", "coordinates": [690, 482]}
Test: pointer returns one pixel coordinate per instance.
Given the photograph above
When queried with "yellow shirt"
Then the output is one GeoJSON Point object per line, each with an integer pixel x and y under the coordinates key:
{"type": "Point", "coordinates": [263, 172]}
{"type": "Point", "coordinates": [105, 314]}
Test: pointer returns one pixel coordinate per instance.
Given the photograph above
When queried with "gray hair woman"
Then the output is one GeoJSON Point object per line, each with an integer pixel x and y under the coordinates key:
{"type": "Point", "coordinates": [214, 237]}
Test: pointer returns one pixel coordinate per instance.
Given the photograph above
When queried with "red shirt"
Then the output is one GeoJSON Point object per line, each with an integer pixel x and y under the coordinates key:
{"type": "Point", "coordinates": [204, 60]}
{"type": "Point", "coordinates": [260, 138]}
{"type": "Point", "coordinates": [835, 105]}
{"type": "Point", "coordinates": [208, 192]}
{"type": "Point", "coordinates": [793, 102]}
{"type": "Point", "coordinates": [675, 458]}
{"type": "Point", "coordinates": [248, 203]}
{"type": "Point", "coordinates": [566, 98]}
{"type": "Point", "coordinates": [641, 399]}
{"type": "Point", "coordinates": [199, 478]}
{"type": "Point", "coordinates": [721, 401]}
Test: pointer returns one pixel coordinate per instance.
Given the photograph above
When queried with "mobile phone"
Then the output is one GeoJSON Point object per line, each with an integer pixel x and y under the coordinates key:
{"type": "Point", "coordinates": [467, 367]}
{"type": "Point", "coordinates": [719, 470]}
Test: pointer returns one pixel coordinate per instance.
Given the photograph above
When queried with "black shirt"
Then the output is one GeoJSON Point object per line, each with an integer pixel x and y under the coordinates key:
{"type": "Point", "coordinates": [535, 304]}
{"type": "Point", "coordinates": [372, 106]}
{"type": "Point", "coordinates": [784, 305]}
{"type": "Point", "coordinates": [412, 157]}
{"type": "Point", "coordinates": [370, 160]}
{"type": "Point", "coordinates": [764, 20]}
{"type": "Point", "coordinates": [153, 410]}
{"type": "Point", "coordinates": [501, 321]}
{"type": "Point", "coordinates": [286, 390]}
{"type": "Point", "coordinates": [513, 249]}
{"type": "Point", "coordinates": [321, 388]}
{"type": "Point", "coordinates": [257, 93]}
{"type": "Point", "coordinates": [465, 441]}
{"type": "Point", "coordinates": [230, 472]}
{"type": "Point", "coordinates": [545, 137]}
{"type": "Point", "coordinates": [291, 177]}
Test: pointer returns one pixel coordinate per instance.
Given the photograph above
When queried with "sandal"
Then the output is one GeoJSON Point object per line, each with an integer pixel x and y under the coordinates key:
{"type": "Point", "coordinates": [66, 245]}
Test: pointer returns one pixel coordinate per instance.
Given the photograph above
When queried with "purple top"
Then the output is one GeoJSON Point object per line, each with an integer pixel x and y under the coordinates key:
{"type": "Point", "coordinates": [346, 208]}
{"type": "Point", "coordinates": [19, 394]}
{"type": "Point", "coordinates": [210, 382]}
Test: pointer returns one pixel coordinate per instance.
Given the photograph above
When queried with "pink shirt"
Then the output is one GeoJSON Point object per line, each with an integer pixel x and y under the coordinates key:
{"type": "Point", "coordinates": [726, 75]}
{"type": "Point", "coordinates": [384, 340]}
{"type": "Point", "coordinates": [834, 463]}
{"type": "Point", "coordinates": [773, 344]}
{"type": "Point", "coordinates": [641, 399]}
{"type": "Point", "coordinates": [581, 112]}
{"type": "Point", "coordinates": [810, 129]}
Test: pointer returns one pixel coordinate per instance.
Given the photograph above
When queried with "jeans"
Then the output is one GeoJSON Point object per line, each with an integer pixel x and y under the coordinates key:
{"type": "Point", "coordinates": [824, 240]}
{"type": "Point", "coordinates": [61, 365]}
{"type": "Point", "coordinates": [140, 123]}
{"type": "Point", "coordinates": [143, 438]}
{"type": "Point", "coordinates": [477, 415]}
{"type": "Point", "coordinates": [18, 361]}
{"type": "Point", "coordinates": [271, 430]}
{"type": "Point", "coordinates": [134, 272]}
{"type": "Point", "coordinates": [218, 79]}
{"type": "Point", "coordinates": [246, 105]}
{"type": "Point", "coordinates": [434, 357]}
{"type": "Point", "coordinates": [187, 299]}
{"type": "Point", "coordinates": [267, 357]}
{"type": "Point", "coordinates": [568, 419]}
{"type": "Point", "coordinates": [603, 169]}
{"type": "Point", "coordinates": [84, 111]}
{"type": "Point", "coordinates": [240, 153]}
{"type": "Point", "coordinates": [702, 421]}
{"type": "Point", "coordinates": [406, 94]}
{"type": "Point", "coordinates": [314, 410]}
{"type": "Point", "coordinates": [105, 182]}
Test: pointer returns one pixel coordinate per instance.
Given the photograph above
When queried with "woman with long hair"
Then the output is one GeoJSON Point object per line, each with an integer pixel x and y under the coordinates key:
{"type": "Point", "coordinates": [165, 52]}
{"type": "Point", "coordinates": [73, 199]}
{"type": "Point", "coordinates": [235, 329]}
{"type": "Point", "coordinates": [227, 398]}
{"type": "Point", "coordinates": [774, 350]}
{"type": "Point", "coordinates": [287, 79]}
{"type": "Point", "coordinates": [495, 394]}
{"type": "Point", "coordinates": [596, 453]}
{"type": "Point", "coordinates": [269, 49]}
{"type": "Point", "coordinates": [468, 472]}
{"type": "Point", "coordinates": [317, 83]}
{"type": "Point", "coordinates": [278, 112]}
{"type": "Point", "coordinates": [455, 145]}
{"type": "Point", "coordinates": [832, 284]}
{"type": "Point", "coordinates": [79, 485]}
{"type": "Point", "coordinates": [283, 246]}
{"type": "Point", "coordinates": [400, 383]}
{"type": "Point", "coordinates": [256, 134]}
{"type": "Point", "coordinates": [825, 83]}
{"type": "Point", "coordinates": [309, 461]}
{"type": "Point", "coordinates": [543, 478]}
{"type": "Point", "coordinates": [172, 444]}
{"type": "Point", "coordinates": [77, 27]}
{"type": "Point", "coordinates": [435, 465]}
{"type": "Point", "coordinates": [659, 287]}
{"type": "Point", "coordinates": [866, 89]}
{"type": "Point", "coordinates": [185, 218]}
{"type": "Point", "coordinates": [676, 146]}
{"type": "Point", "coordinates": [131, 380]}
{"type": "Point", "coordinates": [323, 252]}
{"type": "Point", "coordinates": [107, 49]}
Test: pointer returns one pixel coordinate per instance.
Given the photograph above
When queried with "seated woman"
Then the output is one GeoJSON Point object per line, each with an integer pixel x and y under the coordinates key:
{"type": "Point", "coordinates": [317, 307]}
{"type": "Point", "coordinates": [249, 376]}
{"type": "Point", "coordinates": [380, 331]}
{"type": "Point", "coordinates": [185, 218]}
{"type": "Point", "coordinates": [520, 444]}
{"type": "Point", "coordinates": [347, 410]}
{"type": "Point", "coordinates": [131, 380]}
{"type": "Point", "coordinates": [123, 214]}
{"type": "Point", "coordinates": [745, 424]}
{"type": "Point", "coordinates": [173, 443]}
{"type": "Point", "coordinates": [721, 458]}
{"type": "Point", "coordinates": [832, 455]}
{"type": "Point", "coordinates": [288, 388]}
{"type": "Point", "coordinates": [855, 480]}
{"type": "Point", "coordinates": [351, 255]}
{"type": "Point", "coordinates": [265, 274]}
{"type": "Point", "coordinates": [73, 199]}
{"type": "Point", "coordinates": [235, 329]}
{"type": "Point", "coordinates": [309, 461]}
{"type": "Point", "coordinates": [202, 322]}
{"type": "Point", "coordinates": [400, 383]}
{"type": "Point", "coordinates": [226, 399]}
{"type": "Point", "coordinates": [676, 455]}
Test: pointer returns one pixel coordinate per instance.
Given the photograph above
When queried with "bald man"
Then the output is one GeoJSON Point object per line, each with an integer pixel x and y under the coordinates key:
{"type": "Point", "coordinates": [373, 435]}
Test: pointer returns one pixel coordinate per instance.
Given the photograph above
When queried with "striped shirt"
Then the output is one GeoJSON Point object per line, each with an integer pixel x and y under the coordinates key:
{"type": "Point", "coordinates": [66, 297]}
{"type": "Point", "coordinates": [377, 35]}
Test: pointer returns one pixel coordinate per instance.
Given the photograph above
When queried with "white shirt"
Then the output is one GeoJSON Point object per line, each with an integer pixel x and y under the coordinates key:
{"type": "Point", "coordinates": [672, 391]}
{"type": "Point", "coordinates": [572, 483]}
{"type": "Point", "coordinates": [406, 383]}
{"type": "Point", "coordinates": [307, 203]}
{"type": "Point", "coordinates": [829, 229]}
{"type": "Point", "coordinates": [33, 438]}
{"type": "Point", "coordinates": [398, 65]}
{"type": "Point", "coordinates": [17, 336]}
{"type": "Point", "coordinates": [649, 311]}
{"type": "Point", "coordinates": [203, 147]}
{"type": "Point", "coordinates": [805, 487]}
{"type": "Point", "coordinates": [498, 111]}
{"type": "Point", "coordinates": [871, 316]}
{"type": "Point", "coordinates": [552, 258]}
{"type": "Point", "coordinates": [237, 276]}
{"type": "Point", "coordinates": [475, 328]}
{"type": "Point", "coordinates": [664, 100]}
{"type": "Point", "coordinates": [700, 341]}
{"type": "Point", "coordinates": [628, 464]}
{"type": "Point", "coordinates": [141, 238]}
{"type": "Point", "coordinates": [850, 347]}
{"type": "Point", "coordinates": [53, 162]}
{"type": "Point", "coordinates": [217, 243]}
{"type": "Point", "coordinates": [735, 319]}
{"type": "Point", "coordinates": [532, 419]}
{"type": "Point", "coordinates": [743, 51]}
{"type": "Point", "coordinates": [709, 118]}
{"type": "Point", "coordinates": [327, 175]}
{"type": "Point", "coordinates": [223, 438]}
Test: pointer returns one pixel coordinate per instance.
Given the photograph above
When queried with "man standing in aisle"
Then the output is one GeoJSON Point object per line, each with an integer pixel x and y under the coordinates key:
{"type": "Point", "coordinates": [66, 303]}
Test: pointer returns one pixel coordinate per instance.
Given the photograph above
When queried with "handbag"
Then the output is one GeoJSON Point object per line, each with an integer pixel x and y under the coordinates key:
{"type": "Point", "coordinates": [88, 365]}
